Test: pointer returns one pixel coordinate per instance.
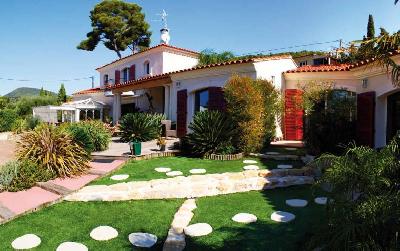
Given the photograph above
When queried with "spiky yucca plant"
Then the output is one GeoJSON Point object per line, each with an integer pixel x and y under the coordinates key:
{"type": "Point", "coordinates": [212, 132]}
{"type": "Point", "coordinates": [141, 127]}
{"type": "Point", "coordinates": [53, 149]}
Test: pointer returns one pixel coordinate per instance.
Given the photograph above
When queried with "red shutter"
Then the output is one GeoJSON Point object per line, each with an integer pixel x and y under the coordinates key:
{"type": "Point", "coordinates": [132, 72]}
{"type": "Point", "coordinates": [293, 118]}
{"type": "Point", "coordinates": [181, 113]}
{"type": "Point", "coordinates": [117, 77]}
{"type": "Point", "coordinates": [366, 118]}
{"type": "Point", "coordinates": [216, 100]}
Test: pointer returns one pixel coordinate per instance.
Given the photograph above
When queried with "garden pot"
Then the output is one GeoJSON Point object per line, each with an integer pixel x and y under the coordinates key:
{"type": "Point", "coordinates": [136, 148]}
{"type": "Point", "coordinates": [162, 148]}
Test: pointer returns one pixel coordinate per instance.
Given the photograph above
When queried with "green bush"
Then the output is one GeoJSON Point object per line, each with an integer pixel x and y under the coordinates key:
{"type": "Point", "coordinates": [19, 126]}
{"type": "Point", "coordinates": [363, 213]}
{"type": "Point", "coordinates": [32, 122]}
{"type": "Point", "coordinates": [212, 132]}
{"type": "Point", "coordinates": [141, 127]}
{"type": "Point", "coordinates": [54, 150]}
{"type": "Point", "coordinates": [8, 172]}
{"type": "Point", "coordinates": [7, 119]}
{"type": "Point", "coordinates": [253, 114]}
{"type": "Point", "coordinates": [91, 135]}
{"type": "Point", "coordinates": [24, 105]}
{"type": "Point", "coordinates": [26, 175]}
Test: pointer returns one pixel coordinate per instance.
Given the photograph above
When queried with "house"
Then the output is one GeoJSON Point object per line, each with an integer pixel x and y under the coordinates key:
{"type": "Point", "coordinates": [378, 101]}
{"type": "Point", "coordinates": [166, 79]}
{"type": "Point", "coordinates": [314, 59]}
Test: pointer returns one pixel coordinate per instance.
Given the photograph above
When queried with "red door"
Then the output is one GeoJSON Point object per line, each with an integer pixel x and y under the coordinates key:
{"type": "Point", "coordinates": [366, 118]}
{"type": "Point", "coordinates": [293, 118]}
{"type": "Point", "coordinates": [181, 115]}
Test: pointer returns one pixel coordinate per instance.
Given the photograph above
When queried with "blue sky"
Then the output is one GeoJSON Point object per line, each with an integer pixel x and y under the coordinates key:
{"type": "Point", "coordinates": [38, 38]}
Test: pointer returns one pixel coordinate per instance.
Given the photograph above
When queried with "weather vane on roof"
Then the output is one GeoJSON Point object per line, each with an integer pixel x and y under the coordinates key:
{"type": "Point", "coordinates": [164, 15]}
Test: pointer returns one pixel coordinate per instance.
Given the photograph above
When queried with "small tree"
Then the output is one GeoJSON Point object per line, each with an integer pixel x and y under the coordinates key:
{"type": "Point", "coordinates": [118, 25]}
{"type": "Point", "coordinates": [370, 27]}
{"type": "Point", "coordinates": [209, 56]}
{"type": "Point", "coordinates": [62, 95]}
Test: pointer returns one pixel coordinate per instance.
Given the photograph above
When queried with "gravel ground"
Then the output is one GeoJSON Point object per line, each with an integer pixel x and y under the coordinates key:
{"type": "Point", "coordinates": [7, 151]}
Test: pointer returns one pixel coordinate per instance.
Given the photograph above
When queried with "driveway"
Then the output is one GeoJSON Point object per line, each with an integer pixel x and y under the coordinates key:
{"type": "Point", "coordinates": [7, 151]}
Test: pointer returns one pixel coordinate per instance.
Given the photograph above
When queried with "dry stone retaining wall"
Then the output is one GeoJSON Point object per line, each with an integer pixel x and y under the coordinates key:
{"type": "Point", "coordinates": [193, 186]}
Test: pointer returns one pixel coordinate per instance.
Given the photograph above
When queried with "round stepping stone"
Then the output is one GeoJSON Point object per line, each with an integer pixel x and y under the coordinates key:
{"type": "Point", "coordinates": [104, 233]}
{"type": "Point", "coordinates": [69, 246]}
{"type": "Point", "coordinates": [26, 241]}
{"type": "Point", "coordinates": [198, 171]}
{"type": "Point", "coordinates": [199, 229]}
{"type": "Point", "coordinates": [120, 177]}
{"type": "Point", "coordinates": [272, 153]}
{"type": "Point", "coordinates": [321, 200]}
{"type": "Point", "coordinates": [251, 167]}
{"type": "Point", "coordinates": [249, 161]}
{"type": "Point", "coordinates": [280, 216]}
{"type": "Point", "coordinates": [143, 240]}
{"type": "Point", "coordinates": [296, 203]}
{"type": "Point", "coordinates": [162, 169]}
{"type": "Point", "coordinates": [174, 173]}
{"type": "Point", "coordinates": [284, 166]}
{"type": "Point", "coordinates": [244, 218]}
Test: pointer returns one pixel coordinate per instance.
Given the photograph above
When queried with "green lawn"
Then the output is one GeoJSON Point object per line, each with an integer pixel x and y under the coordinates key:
{"type": "Point", "coordinates": [144, 169]}
{"type": "Point", "coordinates": [73, 221]}
{"type": "Point", "coordinates": [262, 235]}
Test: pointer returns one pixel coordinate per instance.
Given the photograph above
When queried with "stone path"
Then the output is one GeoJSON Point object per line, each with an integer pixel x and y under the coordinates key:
{"type": "Point", "coordinates": [13, 204]}
{"type": "Point", "coordinates": [193, 186]}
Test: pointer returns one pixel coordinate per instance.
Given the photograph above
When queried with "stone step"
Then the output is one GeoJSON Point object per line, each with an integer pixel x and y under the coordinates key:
{"type": "Point", "coordinates": [54, 188]}
{"type": "Point", "coordinates": [277, 156]}
{"type": "Point", "coordinates": [97, 172]}
{"type": "Point", "coordinates": [5, 213]}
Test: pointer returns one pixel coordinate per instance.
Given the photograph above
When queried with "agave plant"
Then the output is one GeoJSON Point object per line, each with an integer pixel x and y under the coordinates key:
{"type": "Point", "coordinates": [140, 127]}
{"type": "Point", "coordinates": [212, 132]}
{"type": "Point", "coordinates": [53, 149]}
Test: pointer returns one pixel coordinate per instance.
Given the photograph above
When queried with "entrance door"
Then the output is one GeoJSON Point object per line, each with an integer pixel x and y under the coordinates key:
{"type": "Point", "coordinates": [393, 115]}
{"type": "Point", "coordinates": [366, 118]}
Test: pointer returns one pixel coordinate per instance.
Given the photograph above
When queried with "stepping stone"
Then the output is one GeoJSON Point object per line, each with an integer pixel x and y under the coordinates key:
{"type": "Point", "coordinates": [162, 169]}
{"type": "Point", "coordinates": [280, 216]}
{"type": "Point", "coordinates": [199, 229]}
{"type": "Point", "coordinates": [103, 233]}
{"type": "Point", "coordinates": [321, 200]}
{"type": "Point", "coordinates": [284, 166]}
{"type": "Point", "coordinates": [249, 161]}
{"type": "Point", "coordinates": [291, 148]}
{"type": "Point", "coordinates": [120, 177]}
{"type": "Point", "coordinates": [296, 203]}
{"type": "Point", "coordinates": [71, 246]}
{"type": "Point", "coordinates": [198, 171]}
{"type": "Point", "coordinates": [143, 240]}
{"type": "Point", "coordinates": [174, 173]}
{"type": "Point", "coordinates": [244, 218]}
{"type": "Point", "coordinates": [251, 167]}
{"type": "Point", "coordinates": [272, 153]}
{"type": "Point", "coordinates": [26, 241]}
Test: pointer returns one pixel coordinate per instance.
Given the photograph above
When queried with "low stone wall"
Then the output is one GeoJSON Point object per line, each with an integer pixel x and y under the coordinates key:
{"type": "Point", "coordinates": [155, 155]}
{"type": "Point", "coordinates": [224, 156]}
{"type": "Point", "coordinates": [193, 186]}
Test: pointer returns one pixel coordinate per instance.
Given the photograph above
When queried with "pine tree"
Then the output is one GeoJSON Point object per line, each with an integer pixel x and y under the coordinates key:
{"type": "Point", "coordinates": [62, 94]}
{"type": "Point", "coordinates": [42, 92]}
{"type": "Point", "coordinates": [370, 27]}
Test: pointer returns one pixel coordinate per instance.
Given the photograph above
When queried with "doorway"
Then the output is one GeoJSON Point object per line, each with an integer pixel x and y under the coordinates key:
{"type": "Point", "coordinates": [393, 115]}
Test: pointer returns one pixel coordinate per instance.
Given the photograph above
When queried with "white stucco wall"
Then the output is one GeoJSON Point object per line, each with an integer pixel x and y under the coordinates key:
{"type": "Point", "coordinates": [174, 61]}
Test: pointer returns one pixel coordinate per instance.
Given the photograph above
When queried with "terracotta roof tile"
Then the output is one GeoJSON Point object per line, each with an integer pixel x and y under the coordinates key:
{"type": "Point", "coordinates": [321, 68]}
{"type": "Point", "coordinates": [88, 91]}
{"type": "Point", "coordinates": [151, 48]}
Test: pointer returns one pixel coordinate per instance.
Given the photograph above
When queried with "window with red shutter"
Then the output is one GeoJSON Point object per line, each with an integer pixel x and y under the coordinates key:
{"type": "Point", "coordinates": [366, 118]}
{"type": "Point", "coordinates": [132, 72]}
{"type": "Point", "coordinates": [117, 77]}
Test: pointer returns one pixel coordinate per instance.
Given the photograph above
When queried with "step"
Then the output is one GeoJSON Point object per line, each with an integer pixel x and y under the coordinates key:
{"type": "Point", "coordinates": [5, 213]}
{"type": "Point", "coordinates": [54, 188]}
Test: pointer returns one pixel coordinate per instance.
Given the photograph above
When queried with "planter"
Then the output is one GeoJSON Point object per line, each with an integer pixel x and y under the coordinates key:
{"type": "Point", "coordinates": [162, 148]}
{"type": "Point", "coordinates": [136, 148]}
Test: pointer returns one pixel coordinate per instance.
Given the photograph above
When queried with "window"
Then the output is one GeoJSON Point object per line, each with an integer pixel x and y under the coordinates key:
{"type": "Point", "coordinates": [303, 63]}
{"type": "Point", "coordinates": [125, 73]}
{"type": "Point", "coordinates": [147, 68]}
{"type": "Point", "coordinates": [106, 79]}
{"type": "Point", "coordinates": [320, 61]}
{"type": "Point", "coordinates": [201, 100]}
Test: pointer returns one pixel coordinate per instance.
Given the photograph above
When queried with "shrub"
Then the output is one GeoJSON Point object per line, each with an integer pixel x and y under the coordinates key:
{"type": "Point", "coordinates": [212, 132]}
{"type": "Point", "coordinates": [7, 119]}
{"type": "Point", "coordinates": [8, 172]}
{"type": "Point", "coordinates": [32, 122]}
{"type": "Point", "coordinates": [91, 135]}
{"type": "Point", "coordinates": [19, 126]}
{"type": "Point", "coordinates": [364, 211]}
{"type": "Point", "coordinates": [141, 127]}
{"type": "Point", "coordinates": [26, 175]}
{"type": "Point", "coordinates": [24, 105]}
{"type": "Point", "coordinates": [245, 104]}
{"type": "Point", "coordinates": [53, 149]}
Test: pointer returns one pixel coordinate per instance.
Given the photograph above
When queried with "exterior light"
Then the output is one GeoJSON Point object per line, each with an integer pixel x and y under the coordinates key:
{"type": "Point", "coordinates": [365, 83]}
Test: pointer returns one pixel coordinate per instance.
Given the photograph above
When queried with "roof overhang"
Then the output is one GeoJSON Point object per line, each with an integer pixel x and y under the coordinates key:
{"type": "Point", "coordinates": [146, 83]}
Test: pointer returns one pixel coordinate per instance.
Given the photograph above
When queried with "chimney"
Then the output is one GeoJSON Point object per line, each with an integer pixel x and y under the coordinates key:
{"type": "Point", "coordinates": [165, 38]}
